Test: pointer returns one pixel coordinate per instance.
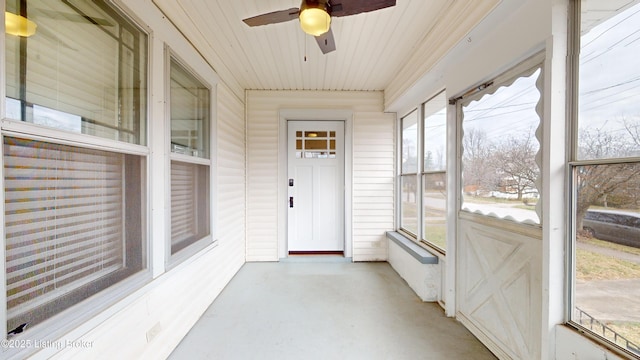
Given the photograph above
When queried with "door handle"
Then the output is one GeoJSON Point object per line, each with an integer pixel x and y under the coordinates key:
{"type": "Point", "coordinates": [290, 201]}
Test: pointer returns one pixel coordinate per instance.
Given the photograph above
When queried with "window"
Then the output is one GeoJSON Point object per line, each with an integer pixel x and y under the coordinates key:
{"type": "Point", "coordinates": [75, 215]}
{"type": "Point", "coordinates": [83, 71]}
{"type": "Point", "coordinates": [423, 173]}
{"type": "Point", "coordinates": [73, 227]}
{"type": "Point", "coordinates": [499, 169]}
{"type": "Point", "coordinates": [434, 175]}
{"type": "Point", "coordinates": [605, 168]}
{"type": "Point", "coordinates": [409, 174]}
{"type": "Point", "coordinates": [190, 164]}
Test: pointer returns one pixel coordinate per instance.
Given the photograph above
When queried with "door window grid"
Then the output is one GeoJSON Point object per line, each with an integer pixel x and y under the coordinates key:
{"type": "Point", "coordinates": [316, 144]}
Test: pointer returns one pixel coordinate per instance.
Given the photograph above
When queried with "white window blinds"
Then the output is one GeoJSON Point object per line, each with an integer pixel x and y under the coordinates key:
{"type": "Point", "coordinates": [183, 202]}
{"type": "Point", "coordinates": [64, 209]}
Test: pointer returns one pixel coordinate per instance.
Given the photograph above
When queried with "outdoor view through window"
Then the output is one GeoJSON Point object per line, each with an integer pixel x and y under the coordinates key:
{"type": "Point", "coordinates": [499, 168]}
{"type": "Point", "coordinates": [606, 175]}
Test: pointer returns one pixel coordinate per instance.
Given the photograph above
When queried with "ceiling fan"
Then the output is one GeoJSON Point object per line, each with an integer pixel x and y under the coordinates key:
{"type": "Point", "coordinates": [315, 17]}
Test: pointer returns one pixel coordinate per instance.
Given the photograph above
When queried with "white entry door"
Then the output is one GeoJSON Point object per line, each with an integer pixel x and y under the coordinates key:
{"type": "Point", "coordinates": [315, 186]}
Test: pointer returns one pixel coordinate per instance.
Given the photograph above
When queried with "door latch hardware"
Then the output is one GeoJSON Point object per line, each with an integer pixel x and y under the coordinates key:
{"type": "Point", "coordinates": [290, 182]}
{"type": "Point", "coordinates": [290, 201]}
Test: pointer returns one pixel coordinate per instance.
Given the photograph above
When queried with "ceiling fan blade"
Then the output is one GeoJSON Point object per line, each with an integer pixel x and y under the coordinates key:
{"type": "Point", "coordinates": [326, 42]}
{"type": "Point", "coordinates": [352, 7]}
{"type": "Point", "coordinates": [273, 17]}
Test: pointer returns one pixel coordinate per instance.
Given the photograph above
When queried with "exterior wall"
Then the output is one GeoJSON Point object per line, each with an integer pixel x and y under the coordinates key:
{"type": "Point", "coordinates": [372, 162]}
{"type": "Point", "coordinates": [152, 320]}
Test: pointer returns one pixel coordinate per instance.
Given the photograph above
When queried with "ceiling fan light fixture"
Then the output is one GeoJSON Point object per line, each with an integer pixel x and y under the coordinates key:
{"type": "Point", "coordinates": [314, 17]}
{"type": "Point", "coordinates": [18, 25]}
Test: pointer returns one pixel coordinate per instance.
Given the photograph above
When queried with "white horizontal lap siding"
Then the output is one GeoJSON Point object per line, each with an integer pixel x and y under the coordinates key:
{"type": "Point", "coordinates": [372, 159]}
{"type": "Point", "coordinates": [262, 177]}
{"type": "Point", "coordinates": [231, 176]}
{"type": "Point", "coordinates": [373, 184]}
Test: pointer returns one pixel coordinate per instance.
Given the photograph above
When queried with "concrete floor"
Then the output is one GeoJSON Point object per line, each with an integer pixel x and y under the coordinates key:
{"type": "Point", "coordinates": [325, 310]}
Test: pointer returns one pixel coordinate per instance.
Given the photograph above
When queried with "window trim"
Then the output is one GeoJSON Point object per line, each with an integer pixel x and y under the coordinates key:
{"type": "Point", "coordinates": [173, 260]}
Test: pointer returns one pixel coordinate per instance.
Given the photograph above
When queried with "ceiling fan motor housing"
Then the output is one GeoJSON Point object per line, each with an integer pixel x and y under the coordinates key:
{"type": "Point", "coordinates": [315, 16]}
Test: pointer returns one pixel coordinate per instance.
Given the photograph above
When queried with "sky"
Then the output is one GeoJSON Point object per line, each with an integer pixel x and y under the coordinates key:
{"type": "Point", "coordinates": [610, 72]}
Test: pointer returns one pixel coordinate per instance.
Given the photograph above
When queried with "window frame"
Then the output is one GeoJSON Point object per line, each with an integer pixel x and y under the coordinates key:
{"type": "Point", "coordinates": [424, 173]}
{"type": "Point", "coordinates": [172, 260]}
{"type": "Point", "coordinates": [409, 174]}
{"type": "Point", "coordinates": [419, 174]}
{"type": "Point", "coordinates": [573, 163]}
{"type": "Point", "coordinates": [76, 315]}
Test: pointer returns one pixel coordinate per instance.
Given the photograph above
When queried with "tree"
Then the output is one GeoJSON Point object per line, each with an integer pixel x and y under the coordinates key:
{"type": "Point", "coordinates": [476, 159]}
{"type": "Point", "coordinates": [597, 184]}
{"type": "Point", "coordinates": [514, 159]}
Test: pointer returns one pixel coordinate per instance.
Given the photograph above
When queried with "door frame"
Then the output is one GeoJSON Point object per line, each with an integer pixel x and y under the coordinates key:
{"type": "Point", "coordinates": [286, 115]}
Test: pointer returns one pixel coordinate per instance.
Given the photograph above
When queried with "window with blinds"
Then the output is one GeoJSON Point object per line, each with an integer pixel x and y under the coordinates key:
{"type": "Point", "coordinates": [73, 225]}
{"type": "Point", "coordinates": [189, 101]}
{"type": "Point", "coordinates": [189, 204]}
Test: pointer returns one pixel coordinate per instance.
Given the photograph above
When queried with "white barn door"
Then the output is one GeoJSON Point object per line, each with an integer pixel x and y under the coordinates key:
{"type": "Point", "coordinates": [315, 186]}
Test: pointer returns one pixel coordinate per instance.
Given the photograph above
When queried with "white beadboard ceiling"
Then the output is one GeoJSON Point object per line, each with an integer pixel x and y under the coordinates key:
{"type": "Point", "coordinates": [372, 48]}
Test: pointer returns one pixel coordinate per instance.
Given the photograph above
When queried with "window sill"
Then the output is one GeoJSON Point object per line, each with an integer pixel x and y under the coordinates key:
{"type": "Point", "coordinates": [419, 253]}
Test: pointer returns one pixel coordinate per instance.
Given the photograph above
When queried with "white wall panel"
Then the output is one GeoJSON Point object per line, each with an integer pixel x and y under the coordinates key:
{"type": "Point", "coordinates": [372, 198]}
{"type": "Point", "coordinates": [500, 287]}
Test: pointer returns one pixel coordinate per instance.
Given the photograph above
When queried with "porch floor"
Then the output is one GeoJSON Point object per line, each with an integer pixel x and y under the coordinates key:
{"type": "Point", "coordinates": [325, 310]}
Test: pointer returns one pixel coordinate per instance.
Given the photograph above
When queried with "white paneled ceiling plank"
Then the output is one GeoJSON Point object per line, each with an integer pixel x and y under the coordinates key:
{"type": "Point", "coordinates": [220, 25]}
{"type": "Point", "coordinates": [217, 39]}
{"type": "Point", "coordinates": [381, 50]}
{"type": "Point", "coordinates": [456, 21]}
{"type": "Point", "coordinates": [289, 48]}
{"type": "Point", "coordinates": [380, 47]}
{"type": "Point", "coordinates": [351, 52]}
{"type": "Point", "coordinates": [255, 40]}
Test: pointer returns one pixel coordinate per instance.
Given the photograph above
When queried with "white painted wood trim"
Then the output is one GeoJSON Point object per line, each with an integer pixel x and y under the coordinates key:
{"type": "Point", "coordinates": [314, 114]}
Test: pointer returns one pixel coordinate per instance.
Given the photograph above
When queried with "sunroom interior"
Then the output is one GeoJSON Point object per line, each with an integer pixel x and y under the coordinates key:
{"type": "Point", "coordinates": [489, 151]}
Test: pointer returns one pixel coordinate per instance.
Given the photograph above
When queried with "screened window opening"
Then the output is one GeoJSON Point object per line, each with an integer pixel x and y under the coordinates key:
{"type": "Point", "coordinates": [74, 225]}
{"type": "Point", "coordinates": [499, 168]}
{"type": "Point", "coordinates": [190, 165]}
{"type": "Point", "coordinates": [83, 70]}
{"type": "Point", "coordinates": [605, 170]}
{"type": "Point", "coordinates": [409, 174]}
